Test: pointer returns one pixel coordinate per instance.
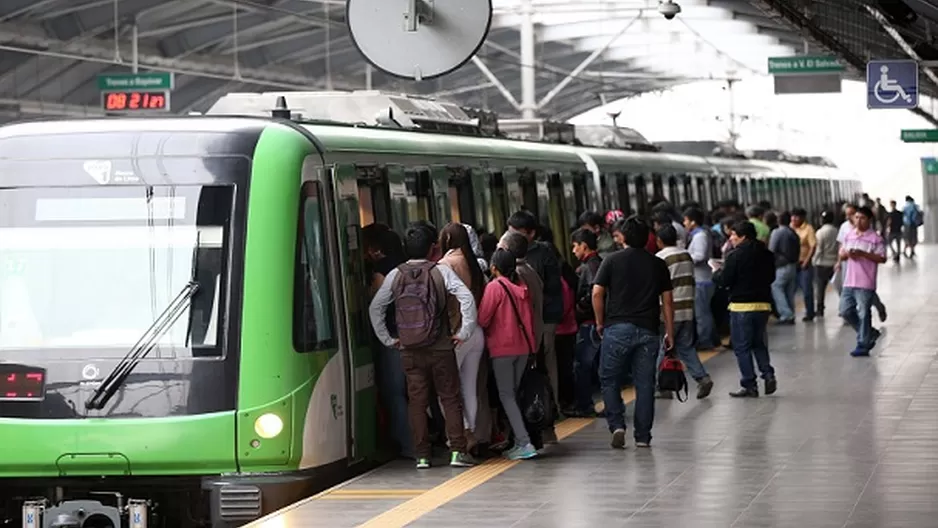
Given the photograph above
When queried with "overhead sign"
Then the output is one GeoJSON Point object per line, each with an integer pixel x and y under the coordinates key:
{"type": "Point", "coordinates": [806, 74]}
{"type": "Point", "coordinates": [124, 93]}
{"type": "Point", "coordinates": [804, 65]}
{"type": "Point", "coordinates": [926, 135]}
{"type": "Point", "coordinates": [116, 82]}
{"type": "Point", "coordinates": [892, 84]}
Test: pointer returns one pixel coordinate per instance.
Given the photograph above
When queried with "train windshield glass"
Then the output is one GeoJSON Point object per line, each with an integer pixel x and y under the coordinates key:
{"type": "Point", "coordinates": [90, 268]}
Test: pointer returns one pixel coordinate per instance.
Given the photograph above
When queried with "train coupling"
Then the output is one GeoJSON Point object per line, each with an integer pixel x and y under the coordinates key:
{"type": "Point", "coordinates": [85, 514]}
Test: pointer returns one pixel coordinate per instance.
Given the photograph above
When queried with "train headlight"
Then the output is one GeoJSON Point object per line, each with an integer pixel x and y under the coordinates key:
{"type": "Point", "coordinates": [268, 425]}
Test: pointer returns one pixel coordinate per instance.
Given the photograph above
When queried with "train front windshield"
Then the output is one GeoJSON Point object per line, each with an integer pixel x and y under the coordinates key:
{"type": "Point", "coordinates": [85, 271]}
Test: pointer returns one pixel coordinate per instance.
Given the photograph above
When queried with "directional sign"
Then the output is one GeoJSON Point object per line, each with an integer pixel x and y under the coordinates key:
{"type": "Point", "coordinates": [892, 84]}
{"type": "Point", "coordinates": [930, 166]}
{"type": "Point", "coordinates": [925, 135]}
{"type": "Point", "coordinates": [118, 82]}
{"type": "Point", "coordinates": [804, 65]}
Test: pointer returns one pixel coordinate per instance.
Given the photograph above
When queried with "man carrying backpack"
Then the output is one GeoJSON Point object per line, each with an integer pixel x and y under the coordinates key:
{"type": "Point", "coordinates": [418, 289]}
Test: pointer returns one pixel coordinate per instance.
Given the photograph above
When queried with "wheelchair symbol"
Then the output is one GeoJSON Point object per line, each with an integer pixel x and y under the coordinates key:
{"type": "Point", "coordinates": [885, 85]}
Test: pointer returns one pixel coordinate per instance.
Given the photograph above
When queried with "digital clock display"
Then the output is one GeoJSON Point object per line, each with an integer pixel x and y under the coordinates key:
{"type": "Point", "coordinates": [135, 101]}
{"type": "Point", "coordinates": [21, 383]}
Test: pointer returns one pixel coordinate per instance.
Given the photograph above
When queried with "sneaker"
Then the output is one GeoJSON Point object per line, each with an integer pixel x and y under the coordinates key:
{"type": "Point", "coordinates": [704, 386]}
{"type": "Point", "coordinates": [521, 452]}
{"type": "Point", "coordinates": [423, 463]}
{"type": "Point", "coordinates": [771, 385]}
{"type": "Point", "coordinates": [618, 439]}
{"type": "Point", "coordinates": [462, 460]}
{"type": "Point", "coordinates": [642, 444]}
{"type": "Point", "coordinates": [745, 393]}
{"type": "Point", "coordinates": [859, 352]}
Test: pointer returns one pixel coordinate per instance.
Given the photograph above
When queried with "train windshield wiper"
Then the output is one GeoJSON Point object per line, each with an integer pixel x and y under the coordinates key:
{"type": "Point", "coordinates": [144, 345]}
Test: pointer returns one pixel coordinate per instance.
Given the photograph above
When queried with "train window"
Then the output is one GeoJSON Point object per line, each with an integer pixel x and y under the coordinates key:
{"type": "Point", "coordinates": [657, 186]}
{"type": "Point", "coordinates": [674, 191]}
{"type": "Point", "coordinates": [461, 199]}
{"type": "Point", "coordinates": [714, 193]}
{"type": "Point", "coordinates": [625, 197]}
{"type": "Point", "coordinates": [312, 298]}
{"type": "Point", "coordinates": [528, 183]}
{"type": "Point", "coordinates": [701, 191]}
{"type": "Point", "coordinates": [581, 193]}
{"type": "Point", "coordinates": [641, 196]}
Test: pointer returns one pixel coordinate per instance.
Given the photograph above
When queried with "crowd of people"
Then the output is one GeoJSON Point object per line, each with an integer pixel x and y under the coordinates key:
{"type": "Point", "coordinates": [463, 317]}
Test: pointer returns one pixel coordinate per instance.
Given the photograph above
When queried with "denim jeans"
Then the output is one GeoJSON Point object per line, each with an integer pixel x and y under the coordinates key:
{"type": "Point", "coordinates": [783, 291]}
{"type": "Point", "coordinates": [855, 304]}
{"type": "Point", "coordinates": [703, 294]}
{"type": "Point", "coordinates": [624, 345]}
{"type": "Point", "coordinates": [684, 347]}
{"type": "Point", "coordinates": [748, 331]}
{"type": "Point", "coordinates": [806, 285]}
{"type": "Point", "coordinates": [822, 276]}
{"type": "Point", "coordinates": [584, 363]}
{"type": "Point", "coordinates": [393, 390]}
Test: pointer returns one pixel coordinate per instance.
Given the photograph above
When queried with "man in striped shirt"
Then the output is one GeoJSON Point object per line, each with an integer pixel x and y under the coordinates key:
{"type": "Point", "coordinates": [681, 266]}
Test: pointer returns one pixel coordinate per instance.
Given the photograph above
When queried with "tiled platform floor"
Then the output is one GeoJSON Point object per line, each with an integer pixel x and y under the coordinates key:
{"type": "Point", "coordinates": [844, 443]}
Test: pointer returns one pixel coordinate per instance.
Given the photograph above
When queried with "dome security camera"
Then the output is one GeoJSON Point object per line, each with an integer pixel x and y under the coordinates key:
{"type": "Point", "coordinates": [669, 9]}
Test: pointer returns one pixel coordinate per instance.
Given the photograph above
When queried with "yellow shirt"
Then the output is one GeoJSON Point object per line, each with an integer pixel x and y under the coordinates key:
{"type": "Point", "coordinates": [808, 241]}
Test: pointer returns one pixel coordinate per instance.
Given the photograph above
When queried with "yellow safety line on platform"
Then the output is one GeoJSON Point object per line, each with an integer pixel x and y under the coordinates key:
{"type": "Point", "coordinates": [408, 512]}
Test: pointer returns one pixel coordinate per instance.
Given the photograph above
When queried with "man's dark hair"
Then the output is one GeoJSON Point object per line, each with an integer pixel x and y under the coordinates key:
{"type": "Point", "coordinates": [799, 211]}
{"type": "Point", "coordinates": [661, 218]}
{"type": "Point", "coordinates": [784, 219]}
{"type": "Point", "coordinates": [687, 205]}
{"type": "Point", "coordinates": [424, 224]}
{"type": "Point", "coordinates": [827, 217]}
{"type": "Point", "coordinates": [591, 218]}
{"type": "Point", "coordinates": [418, 241]}
{"type": "Point", "coordinates": [764, 204]}
{"type": "Point", "coordinates": [908, 198]}
{"type": "Point", "coordinates": [745, 229]}
{"type": "Point", "coordinates": [667, 235]}
{"type": "Point", "coordinates": [754, 211]}
{"type": "Point", "coordinates": [635, 231]}
{"type": "Point", "coordinates": [695, 215]}
{"type": "Point", "coordinates": [584, 236]}
{"type": "Point", "coordinates": [522, 220]}
{"type": "Point", "coordinates": [865, 211]}
{"type": "Point", "coordinates": [517, 244]}
{"type": "Point", "coordinates": [892, 202]}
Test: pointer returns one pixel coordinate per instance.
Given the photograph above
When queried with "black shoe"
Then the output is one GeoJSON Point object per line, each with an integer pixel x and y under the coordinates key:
{"type": "Point", "coordinates": [819, 313]}
{"type": "Point", "coordinates": [808, 319]}
{"type": "Point", "coordinates": [704, 386]}
{"type": "Point", "coordinates": [771, 385]}
{"type": "Point", "coordinates": [745, 393]}
{"type": "Point", "coordinates": [882, 314]}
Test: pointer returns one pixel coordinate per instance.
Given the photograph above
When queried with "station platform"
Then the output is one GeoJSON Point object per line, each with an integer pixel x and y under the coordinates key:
{"type": "Point", "coordinates": [845, 442]}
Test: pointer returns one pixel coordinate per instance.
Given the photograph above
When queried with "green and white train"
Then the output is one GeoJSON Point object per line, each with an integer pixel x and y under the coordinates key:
{"type": "Point", "coordinates": [183, 322]}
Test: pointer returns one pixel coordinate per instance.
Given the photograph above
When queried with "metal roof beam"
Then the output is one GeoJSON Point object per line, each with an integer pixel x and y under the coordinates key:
{"type": "Point", "coordinates": [48, 15]}
{"type": "Point", "coordinates": [31, 39]}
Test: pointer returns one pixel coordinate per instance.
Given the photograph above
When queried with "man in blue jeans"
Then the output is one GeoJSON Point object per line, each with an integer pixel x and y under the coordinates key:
{"type": "Point", "coordinates": [585, 247]}
{"type": "Point", "coordinates": [748, 273]}
{"type": "Point", "coordinates": [630, 290]}
{"type": "Point", "coordinates": [865, 250]}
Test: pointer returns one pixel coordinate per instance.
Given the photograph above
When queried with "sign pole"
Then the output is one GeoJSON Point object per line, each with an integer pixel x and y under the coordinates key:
{"type": "Point", "coordinates": [133, 47]}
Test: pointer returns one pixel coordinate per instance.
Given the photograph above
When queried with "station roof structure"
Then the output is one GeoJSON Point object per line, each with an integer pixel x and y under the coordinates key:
{"type": "Point", "coordinates": [51, 51]}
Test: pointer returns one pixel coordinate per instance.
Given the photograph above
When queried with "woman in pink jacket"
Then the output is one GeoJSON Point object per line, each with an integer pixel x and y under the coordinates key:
{"type": "Point", "coordinates": [506, 317]}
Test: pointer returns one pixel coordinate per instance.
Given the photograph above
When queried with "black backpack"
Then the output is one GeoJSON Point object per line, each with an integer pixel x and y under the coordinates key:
{"type": "Point", "coordinates": [671, 378]}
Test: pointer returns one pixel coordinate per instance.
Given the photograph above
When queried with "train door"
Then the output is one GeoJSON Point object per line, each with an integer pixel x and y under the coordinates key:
{"type": "Point", "coordinates": [561, 213]}
{"type": "Point", "coordinates": [701, 195]}
{"type": "Point", "coordinates": [340, 416]}
{"type": "Point", "coordinates": [581, 194]}
{"type": "Point", "coordinates": [439, 195]}
{"type": "Point", "coordinates": [542, 197]}
{"type": "Point", "coordinates": [466, 205]}
{"type": "Point", "coordinates": [515, 199]}
{"type": "Point", "coordinates": [497, 215]}
{"type": "Point", "coordinates": [640, 194]}
{"type": "Point", "coordinates": [381, 196]}
{"type": "Point", "coordinates": [674, 192]}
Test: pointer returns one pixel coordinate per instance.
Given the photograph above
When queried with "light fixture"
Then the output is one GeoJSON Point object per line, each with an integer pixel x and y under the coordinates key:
{"type": "Point", "coordinates": [268, 425]}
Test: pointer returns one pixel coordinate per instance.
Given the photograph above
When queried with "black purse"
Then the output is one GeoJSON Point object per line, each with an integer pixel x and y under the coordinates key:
{"type": "Point", "coordinates": [671, 378]}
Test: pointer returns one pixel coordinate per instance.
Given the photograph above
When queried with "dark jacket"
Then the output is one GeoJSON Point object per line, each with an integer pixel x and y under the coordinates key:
{"type": "Point", "coordinates": [748, 273]}
{"type": "Point", "coordinates": [583, 297]}
{"type": "Point", "coordinates": [785, 245]}
{"type": "Point", "coordinates": [546, 262]}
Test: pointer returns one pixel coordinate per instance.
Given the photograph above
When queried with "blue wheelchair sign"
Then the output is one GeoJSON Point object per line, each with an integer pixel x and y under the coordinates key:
{"type": "Point", "coordinates": [892, 84]}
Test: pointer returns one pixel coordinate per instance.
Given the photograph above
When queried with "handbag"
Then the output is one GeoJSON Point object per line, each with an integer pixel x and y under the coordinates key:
{"type": "Point", "coordinates": [671, 377]}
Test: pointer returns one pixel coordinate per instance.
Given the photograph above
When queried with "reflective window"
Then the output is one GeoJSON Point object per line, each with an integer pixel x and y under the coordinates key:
{"type": "Point", "coordinates": [313, 328]}
{"type": "Point", "coordinates": [92, 268]}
